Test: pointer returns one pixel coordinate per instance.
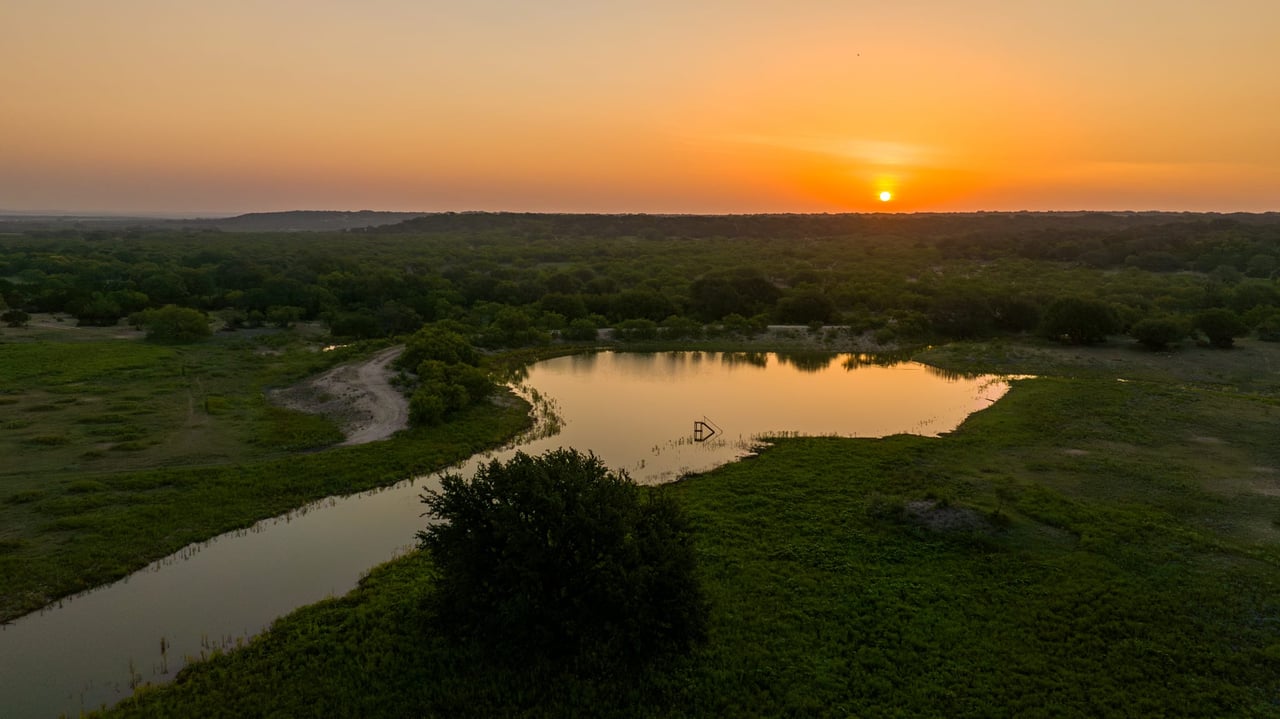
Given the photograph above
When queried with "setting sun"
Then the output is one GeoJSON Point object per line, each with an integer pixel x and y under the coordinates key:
{"type": "Point", "coordinates": [885, 196]}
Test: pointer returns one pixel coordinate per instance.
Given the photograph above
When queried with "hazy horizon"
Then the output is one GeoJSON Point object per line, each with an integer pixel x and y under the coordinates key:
{"type": "Point", "coordinates": [226, 214]}
{"type": "Point", "coordinates": [146, 108]}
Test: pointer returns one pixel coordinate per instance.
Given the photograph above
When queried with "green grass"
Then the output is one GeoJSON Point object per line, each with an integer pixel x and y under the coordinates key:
{"type": "Point", "coordinates": [1083, 548]}
{"type": "Point", "coordinates": [137, 450]}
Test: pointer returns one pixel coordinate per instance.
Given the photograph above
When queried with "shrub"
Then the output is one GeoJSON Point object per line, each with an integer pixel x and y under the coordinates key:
{"type": "Point", "coordinates": [558, 556]}
{"type": "Point", "coordinates": [1079, 320]}
{"type": "Point", "coordinates": [1269, 329]}
{"type": "Point", "coordinates": [1221, 326]}
{"type": "Point", "coordinates": [638, 330]}
{"type": "Point", "coordinates": [15, 318]}
{"type": "Point", "coordinates": [1157, 333]}
{"type": "Point", "coordinates": [439, 344]}
{"type": "Point", "coordinates": [581, 330]}
{"type": "Point", "coordinates": [175, 324]}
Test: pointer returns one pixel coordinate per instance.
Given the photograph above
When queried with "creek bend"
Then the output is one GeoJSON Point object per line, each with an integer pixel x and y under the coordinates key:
{"type": "Point", "coordinates": [636, 411]}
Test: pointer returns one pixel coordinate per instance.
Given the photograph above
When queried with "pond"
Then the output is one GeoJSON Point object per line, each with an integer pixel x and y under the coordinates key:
{"type": "Point", "coordinates": [658, 416]}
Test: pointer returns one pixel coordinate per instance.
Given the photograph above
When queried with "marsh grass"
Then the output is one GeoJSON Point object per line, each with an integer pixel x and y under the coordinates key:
{"type": "Point", "coordinates": [146, 448]}
{"type": "Point", "coordinates": [1126, 577]}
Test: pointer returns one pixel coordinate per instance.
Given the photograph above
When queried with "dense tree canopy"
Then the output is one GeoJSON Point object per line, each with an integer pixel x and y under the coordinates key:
{"type": "Point", "coordinates": [1080, 320]}
{"type": "Point", "coordinates": [558, 556]}
{"type": "Point", "coordinates": [1220, 326]}
{"type": "Point", "coordinates": [175, 324]}
{"type": "Point", "coordinates": [516, 279]}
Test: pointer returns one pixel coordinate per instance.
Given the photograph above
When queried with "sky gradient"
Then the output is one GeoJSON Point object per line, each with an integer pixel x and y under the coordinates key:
{"type": "Point", "coordinates": [183, 107]}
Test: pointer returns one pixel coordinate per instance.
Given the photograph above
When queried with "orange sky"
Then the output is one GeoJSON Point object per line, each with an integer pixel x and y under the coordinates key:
{"type": "Point", "coordinates": [639, 106]}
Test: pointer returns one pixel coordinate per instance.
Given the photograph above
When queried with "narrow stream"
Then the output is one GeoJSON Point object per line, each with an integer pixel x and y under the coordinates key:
{"type": "Point", "coordinates": [637, 411]}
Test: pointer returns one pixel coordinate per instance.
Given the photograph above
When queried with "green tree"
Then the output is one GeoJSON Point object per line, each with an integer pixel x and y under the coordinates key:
{"type": "Point", "coordinates": [15, 318]}
{"type": "Point", "coordinates": [1157, 333]}
{"type": "Point", "coordinates": [638, 330]}
{"type": "Point", "coordinates": [1079, 320]}
{"type": "Point", "coordinates": [581, 330]}
{"type": "Point", "coordinates": [175, 324]}
{"type": "Point", "coordinates": [804, 305]}
{"type": "Point", "coordinates": [445, 388]}
{"type": "Point", "coordinates": [360, 324]}
{"type": "Point", "coordinates": [1261, 265]}
{"type": "Point", "coordinates": [284, 316]}
{"type": "Point", "coordinates": [1269, 328]}
{"type": "Point", "coordinates": [744, 291]}
{"type": "Point", "coordinates": [558, 556]}
{"type": "Point", "coordinates": [1015, 314]}
{"type": "Point", "coordinates": [641, 303]}
{"type": "Point", "coordinates": [437, 343]}
{"type": "Point", "coordinates": [1221, 326]}
{"type": "Point", "coordinates": [570, 306]}
{"type": "Point", "coordinates": [396, 318]}
{"type": "Point", "coordinates": [98, 311]}
{"type": "Point", "coordinates": [677, 327]}
{"type": "Point", "coordinates": [961, 313]}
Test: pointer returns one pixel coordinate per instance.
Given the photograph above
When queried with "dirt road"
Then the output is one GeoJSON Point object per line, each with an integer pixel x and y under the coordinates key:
{"type": "Point", "coordinates": [357, 397]}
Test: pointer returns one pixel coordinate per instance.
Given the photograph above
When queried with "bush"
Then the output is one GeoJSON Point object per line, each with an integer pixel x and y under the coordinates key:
{"type": "Point", "coordinates": [1269, 329]}
{"type": "Point", "coordinates": [15, 318]}
{"type": "Point", "coordinates": [639, 330]}
{"type": "Point", "coordinates": [1157, 333]}
{"type": "Point", "coordinates": [448, 379]}
{"type": "Point", "coordinates": [438, 344]}
{"type": "Point", "coordinates": [175, 324]}
{"type": "Point", "coordinates": [1221, 326]}
{"type": "Point", "coordinates": [581, 330]}
{"type": "Point", "coordinates": [1079, 320]}
{"type": "Point", "coordinates": [557, 556]}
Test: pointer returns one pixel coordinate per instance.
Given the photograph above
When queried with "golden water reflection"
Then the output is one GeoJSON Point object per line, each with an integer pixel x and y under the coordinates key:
{"type": "Point", "coordinates": [637, 410]}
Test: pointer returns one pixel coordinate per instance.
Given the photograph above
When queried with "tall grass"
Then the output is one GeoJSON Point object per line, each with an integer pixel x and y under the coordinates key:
{"type": "Point", "coordinates": [1069, 552]}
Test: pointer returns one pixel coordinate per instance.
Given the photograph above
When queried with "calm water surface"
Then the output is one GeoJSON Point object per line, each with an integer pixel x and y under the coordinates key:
{"type": "Point", "coordinates": [636, 411]}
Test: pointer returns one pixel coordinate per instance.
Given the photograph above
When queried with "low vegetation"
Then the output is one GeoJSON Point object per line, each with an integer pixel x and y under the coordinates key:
{"type": "Point", "coordinates": [1085, 547]}
{"type": "Point", "coordinates": [1101, 542]}
{"type": "Point", "coordinates": [131, 450]}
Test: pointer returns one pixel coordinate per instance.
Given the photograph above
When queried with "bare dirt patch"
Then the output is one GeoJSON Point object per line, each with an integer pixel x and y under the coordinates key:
{"type": "Point", "coordinates": [357, 397]}
{"type": "Point", "coordinates": [946, 518]}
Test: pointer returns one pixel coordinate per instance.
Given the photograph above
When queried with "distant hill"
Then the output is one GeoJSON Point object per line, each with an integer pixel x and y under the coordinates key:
{"type": "Point", "coordinates": [800, 225]}
{"type": "Point", "coordinates": [299, 221]}
{"type": "Point", "coordinates": [533, 224]}
{"type": "Point", "coordinates": [293, 221]}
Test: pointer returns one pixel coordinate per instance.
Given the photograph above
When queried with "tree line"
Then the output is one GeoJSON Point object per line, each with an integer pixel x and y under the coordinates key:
{"type": "Point", "coordinates": [516, 279]}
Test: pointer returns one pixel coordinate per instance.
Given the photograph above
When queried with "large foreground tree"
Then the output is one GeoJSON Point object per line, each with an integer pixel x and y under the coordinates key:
{"type": "Point", "coordinates": [560, 557]}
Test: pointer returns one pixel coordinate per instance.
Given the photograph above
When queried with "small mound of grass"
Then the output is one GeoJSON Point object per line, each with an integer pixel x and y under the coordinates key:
{"type": "Point", "coordinates": [26, 496]}
{"type": "Point", "coordinates": [47, 440]}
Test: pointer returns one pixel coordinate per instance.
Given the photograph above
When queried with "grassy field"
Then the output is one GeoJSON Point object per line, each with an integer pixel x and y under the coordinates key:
{"type": "Point", "coordinates": [1085, 547]}
{"type": "Point", "coordinates": [85, 400]}
{"type": "Point", "coordinates": [122, 451]}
